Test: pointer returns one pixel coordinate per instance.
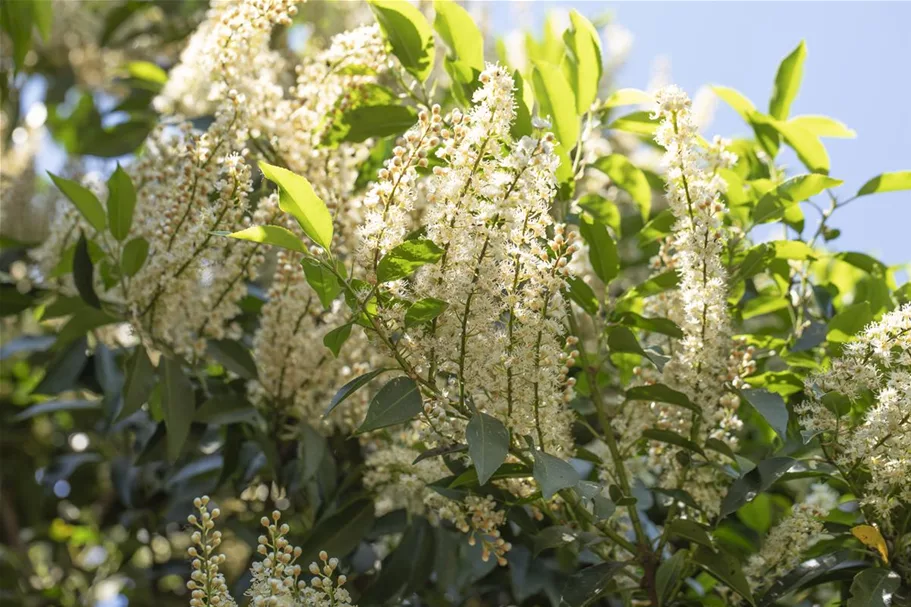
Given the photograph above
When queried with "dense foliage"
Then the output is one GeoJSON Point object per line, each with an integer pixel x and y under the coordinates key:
{"type": "Point", "coordinates": [482, 328]}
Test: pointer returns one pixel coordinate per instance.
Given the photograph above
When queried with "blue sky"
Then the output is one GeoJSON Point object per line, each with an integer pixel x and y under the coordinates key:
{"type": "Point", "coordinates": [857, 70]}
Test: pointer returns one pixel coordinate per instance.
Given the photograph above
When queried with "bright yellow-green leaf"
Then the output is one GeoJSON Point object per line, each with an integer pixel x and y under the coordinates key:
{"type": "Point", "coordinates": [408, 33]}
{"type": "Point", "coordinates": [582, 63]}
{"type": "Point", "coordinates": [794, 190]}
{"type": "Point", "coordinates": [556, 100]}
{"type": "Point", "coordinates": [887, 182]}
{"type": "Point", "coordinates": [628, 97]}
{"type": "Point", "coordinates": [273, 235]}
{"type": "Point", "coordinates": [296, 196]}
{"type": "Point", "coordinates": [850, 321]}
{"type": "Point", "coordinates": [640, 123]}
{"type": "Point", "coordinates": [736, 100]}
{"type": "Point", "coordinates": [458, 30]}
{"type": "Point", "coordinates": [809, 148]}
{"type": "Point", "coordinates": [872, 538]}
{"type": "Point", "coordinates": [148, 71]}
{"type": "Point", "coordinates": [84, 200]}
{"type": "Point", "coordinates": [787, 82]}
{"type": "Point", "coordinates": [823, 126]}
{"type": "Point", "coordinates": [630, 178]}
{"type": "Point", "coordinates": [793, 249]}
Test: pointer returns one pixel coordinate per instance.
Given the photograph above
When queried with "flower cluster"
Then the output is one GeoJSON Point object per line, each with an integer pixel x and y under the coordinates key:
{"type": "Point", "coordinates": [498, 346]}
{"type": "Point", "coordinates": [704, 365]}
{"type": "Point", "coordinates": [278, 579]}
{"type": "Point", "coordinates": [876, 364]}
{"type": "Point", "coordinates": [783, 547]}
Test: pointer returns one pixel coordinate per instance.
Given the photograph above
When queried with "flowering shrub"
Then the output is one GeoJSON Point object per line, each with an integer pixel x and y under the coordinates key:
{"type": "Point", "coordinates": [489, 331]}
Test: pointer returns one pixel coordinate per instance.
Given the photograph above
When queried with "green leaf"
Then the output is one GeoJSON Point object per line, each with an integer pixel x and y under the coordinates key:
{"type": "Point", "coordinates": [339, 533]}
{"type": "Point", "coordinates": [629, 178]}
{"type": "Point", "coordinates": [602, 249]}
{"type": "Point", "coordinates": [424, 311]}
{"type": "Point", "coordinates": [134, 255]}
{"type": "Point", "coordinates": [602, 210]}
{"type": "Point", "coordinates": [458, 30]}
{"type": "Point", "coordinates": [582, 63]}
{"type": "Point", "coordinates": [178, 405]}
{"type": "Point", "coordinates": [336, 338]}
{"type": "Point", "coordinates": [850, 321]}
{"type": "Point", "coordinates": [628, 97]}
{"type": "Point", "coordinates": [754, 482]}
{"type": "Point", "coordinates": [656, 324]}
{"type": "Point", "coordinates": [793, 249]}
{"type": "Point", "coordinates": [764, 304]}
{"type": "Point", "coordinates": [121, 202]}
{"type": "Point", "coordinates": [488, 444]}
{"type": "Point", "coordinates": [55, 406]}
{"type": "Point", "coordinates": [408, 33]}
{"type": "Point", "coordinates": [584, 587]}
{"type": "Point", "coordinates": [796, 189]}
{"type": "Point", "coordinates": [556, 100]}
{"type": "Point", "coordinates": [583, 295]}
{"type": "Point", "coordinates": [233, 356]}
{"type": "Point", "coordinates": [84, 200]}
{"type": "Point", "coordinates": [322, 280]}
{"type": "Point", "coordinates": [887, 182]}
{"type": "Point", "coordinates": [874, 588]}
{"type": "Point", "coordinates": [662, 394]}
{"type": "Point", "coordinates": [660, 226]}
{"type": "Point", "coordinates": [470, 476]}
{"type": "Point", "coordinates": [404, 259]}
{"type": "Point", "coordinates": [640, 123]}
{"type": "Point", "coordinates": [521, 126]}
{"type": "Point", "coordinates": [148, 71]}
{"type": "Point", "coordinates": [396, 403]}
{"type": "Point", "coordinates": [736, 100]}
{"type": "Point", "coordinates": [84, 273]}
{"type": "Point", "coordinates": [271, 235]}
{"type": "Point", "coordinates": [296, 196]}
{"type": "Point", "coordinates": [371, 121]}
{"type": "Point", "coordinates": [655, 285]}
{"type": "Point", "coordinates": [809, 148]}
{"type": "Point", "coordinates": [64, 369]}
{"type": "Point", "coordinates": [669, 574]}
{"type": "Point", "coordinates": [140, 378]}
{"type": "Point", "coordinates": [672, 438]}
{"type": "Point", "coordinates": [81, 322]}
{"type": "Point", "coordinates": [690, 530]}
{"type": "Point", "coordinates": [787, 82]}
{"type": "Point", "coordinates": [553, 474]}
{"type": "Point", "coordinates": [350, 388]}
{"type": "Point", "coordinates": [823, 126]}
{"type": "Point", "coordinates": [726, 569]}
{"type": "Point", "coordinates": [772, 407]}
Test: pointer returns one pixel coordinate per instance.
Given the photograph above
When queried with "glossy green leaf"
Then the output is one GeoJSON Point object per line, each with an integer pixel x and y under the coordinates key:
{"type": "Point", "coordinates": [340, 532]}
{"type": "Point", "coordinates": [336, 338]}
{"type": "Point", "coordinates": [234, 356]}
{"type": "Point", "coordinates": [584, 587]}
{"type": "Point", "coordinates": [772, 407]}
{"type": "Point", "coordinates": [850, 321]}
{"type": "Point", "coordinates": [553, 474]}
{"type": "Point", "coordinates": [669, 575]}
{"type": "Point", "coordinates": [296, 196]}
{"type": "Point", "coordinates": [887, 182]}
{"type": "Point", "coordinates": [754, 482]}
{"type": "Point", "coordinates": [874, 588]}
{"type": "Point", "coordinates": [602, 210]}
{"type": "Point", "coordinates": [424, 311]}
{"type": "Point", "coordinates": [271, 235]}
{"type": "Point", "coordinates": [662, 394]}
{"type": "Point", "coordinates": [626, 176]}
{"type": "Point", "coordinates": [84, 273]}
{"type": "Point", "coordinates": [583, 295]}
{"type": "Point", "coordinates": [823, 126]}
{"type": "Point", "coordinates": [121, 202]}
{"type": "Point", "coordinates": [178, 405]}
{"type": "Point", "coordinates": [134, 255]}
{"type": "Point", "coordinates": [660, 226]}
{"type": "Point", "coordinates": [396, 403]}
{"type": "Point", "coordinates": [602, 250]}
{"type": "Point", "coordinates": [672, 438]}
{"type": "Point", "coordinates": [458, 30]}
{"type": "Point", "coordinates": [408, 33]}
{"type": "Point", "coordinates": [556, 100]}
{"type": "Point", "coordinates": [404, 259]}
{"type": "Point", "coordinates": [322, 281]}
{"type": "Point", "coordinates": [350, 388]}
{"type": "Point", "coordinates": [84, 200]}
{"type": "Point", "coordinates": [582, 65]}
{"type": "Point", "coordinates": [373, 121]}
{"type": "Point", "coordinates": [792, 191]}
{"type": "Point", "coordinates": [726, 569]}
{"type": "Point", "coordinates": [787, 82]}
{"type": "Point", "coordinates": [488, 444]}
{"type": "Point", "coordinates": [692, 531]}
{"type": "Point", "coordinates": [54, 406]}
{"type": "Point", "coordinates": [140, 379]}
{"type": "Point", "coordinates": [810, 150]}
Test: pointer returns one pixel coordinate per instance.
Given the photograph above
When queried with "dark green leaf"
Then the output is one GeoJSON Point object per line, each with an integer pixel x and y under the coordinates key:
{"type": "Point", "coordinates": [663, 394]}
{"type": "Point", "coordinates": [553, 474]}
{"type": "Point", "coordinates": [53, 406]}
{"type": "Point", "coordinates": [669, 574]}
{"type": "Point", "coordinates": [772, 407]}
{"type": "Point", "coordinates": [84, 200]}
{"type": "Point", "coordinates": [585, 586]}
{"type": "Point", "coordinates": [690, 530]}
{"type": "Point", "coordinates": [470, 476]}
{"type": "Point", "coordinates": [874, 588]}
{"type": "Point", "coordinates": [350, 388]}
{"type": "Point", "coordinates": [121, 202]}
{"type": "Point", "coordinates": [665, 326]}
{"type": "Point", "coordinates": [134, 256]}
{"type": "Point", "coordinates": [726, 569]}
{"type": "Point", "coordinates": [234, 356]}
{"type": "Point", "coordinates": [404, 259]}
{"type": "Point", "coordinates": [442, 450]}
{"type": "Point", "coordinates": [223, 410]}
{"type": "Point", "coordinates": [336, 338]}
{"type": "Point", "coordinates": [84, 273]}
{"type": "Point", "coordinates": [339, 533]}
{"type": "Point", "coordinates": [671, 437]}
{"type": "Point", "coordinates": [602, 249]}
{"type": "Point", "coordinates": [396, 403]}
{"type": "Point", "coordinates": [178, 405]}
{"type": "Point", "coordinates": [488, 444]}
{"type": "Point", "coordinates": [754, 482]}
{"type": "Point", "coordinates": [140, 378]}
{"type": "Point", "coordinates": [64, 369]}
{"type": "Point", "coordinates": [372, 121]}
{"type": "Point", "coordinates": [583, 295]}
{"type": "Point", "coordinates": [850, 321]}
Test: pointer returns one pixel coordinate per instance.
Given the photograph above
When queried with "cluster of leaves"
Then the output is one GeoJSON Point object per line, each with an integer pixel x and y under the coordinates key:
{"type": "Point", "coordinates": [104, 443]}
